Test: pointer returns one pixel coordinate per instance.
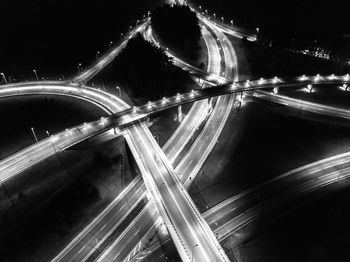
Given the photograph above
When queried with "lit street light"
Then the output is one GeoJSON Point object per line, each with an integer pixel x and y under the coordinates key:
{"type": "Point", "coordinates": [3, 76]}
{"type": "Point", "coordinates": [79, 68]}
{"type": "Point", "coordinates": [231, 22]}
{"type": "Point", "coordinates": [118, 88]}
{"type": "Point", "coordinates": [97, 54]}
{"type": "Point", "coordinates": [51, 138]}
{"type": "Point", "coordinates": [36, 75]}
{"type": "Point", "coordinates": [36, 139]}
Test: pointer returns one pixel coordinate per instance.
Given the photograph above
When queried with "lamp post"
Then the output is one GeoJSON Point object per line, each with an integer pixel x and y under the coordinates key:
{"type": "Point", "coordinates": [3, 76]}
{"type": "Point", "coordinates": [79, 68]}
{"type": "Point", "coordinates": [97, 54]}
{"type": "Point", "coordinates": [50, 137]}
{"type": "Point", "coordinates": [118, 88]}
{"type": "Point", "coordinates": [36, 139]}
{"type": "Point", "coordinates": [36, 75]}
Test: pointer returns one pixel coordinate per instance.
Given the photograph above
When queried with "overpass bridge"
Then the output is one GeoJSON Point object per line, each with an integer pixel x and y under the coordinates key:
{"type": "Point", "coordinates": [122, 116]}
{"type": "Point", "coordinates": [139, 115]}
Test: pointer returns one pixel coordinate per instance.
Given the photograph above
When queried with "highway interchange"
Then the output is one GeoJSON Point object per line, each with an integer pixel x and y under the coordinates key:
{"type": "Point", "coordinates": [164, 196]}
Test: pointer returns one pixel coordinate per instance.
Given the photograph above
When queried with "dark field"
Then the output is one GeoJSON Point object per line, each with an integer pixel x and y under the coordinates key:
{"type": "Point", "coordinates": [52, 113]}
{"type": "Point", "coordinates": [316, 232]}
{"type": "Point", "coordinates": [263, 141]}
{"type": "Point", "coordinates": [54, 36]}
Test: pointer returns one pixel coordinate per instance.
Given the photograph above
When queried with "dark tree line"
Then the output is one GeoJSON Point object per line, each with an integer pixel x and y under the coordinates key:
{"type": "Point", "coordinates": [178, 27]}
{"type": "Point", "coordinates": [145, 72]}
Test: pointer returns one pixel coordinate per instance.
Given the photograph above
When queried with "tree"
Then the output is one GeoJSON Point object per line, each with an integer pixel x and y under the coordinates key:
{"type": "Point", "coordinates": [178, 27]}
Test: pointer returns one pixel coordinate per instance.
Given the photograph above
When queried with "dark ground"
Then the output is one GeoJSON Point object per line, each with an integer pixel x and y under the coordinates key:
{"type": "Point", "coordinates": [317, 232]}
{"type": "Point", "coordinates": [52, 113]}
{"type": "Point", "coordinates": [50, 203]}
{"type": "Point", "coordinates": [145, 73]}
{"type": "Point", "coordinates": [56, 199]}
{"type": "Point", "coordinates": [273, 140]}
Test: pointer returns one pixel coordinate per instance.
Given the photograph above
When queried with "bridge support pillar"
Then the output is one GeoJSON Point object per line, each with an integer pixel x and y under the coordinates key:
{"type": "Point", "coordinates": [179, 114]}
{"type": "Point", "coordinates": [210, 106]}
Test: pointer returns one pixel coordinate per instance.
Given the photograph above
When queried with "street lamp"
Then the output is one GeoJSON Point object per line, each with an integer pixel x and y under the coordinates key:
{"type": "Point", "coordinates": [79, 68]}
{"type": "Point", "coordinates": [36, 139]}
{"type": "Point", "coordinates": [231, 22]}
{"type": "Point", "coordinates": [118, 88]}
{"type": "Point", "coordinates": [98, 52]}
{"type": "Point", "coordinates": [50, 137]}
{"type": "Point", "coordinates": [36, 75]}
{"type": "Point", "coordinates": [3, 76]}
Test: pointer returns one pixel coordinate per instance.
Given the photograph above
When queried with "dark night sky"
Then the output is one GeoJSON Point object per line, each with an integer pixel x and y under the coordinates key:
{"type": "Point", "coordinates": [53, 36]}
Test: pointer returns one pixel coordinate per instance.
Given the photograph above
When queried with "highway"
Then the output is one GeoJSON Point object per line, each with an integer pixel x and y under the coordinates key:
{"type": "Point", "coordinates": [236, 212]}
{"type": "Point", "coordinates": [184, 222]}
{"type": "Point", "coordinates": [20, 161]}
{"type": "Point", "coordinates": [53, 139]}
{"type": "Point", "coordinates": [188, 96]}
{"type": "Point", "coordinates": [105, 223]}
{"type": "Point", "coordinates": [93, 70]}
{"type": "Point", "coordinates": [173, 147]}
{"type": "Point", "coordinates": [207, 139]}
{"type": "Point", "coordinates": [214, 64]}
{"type": "Point", "coordinates": [272, 81]}
{"type": "Point", "coordinates": [192, 121]}
{"type": "Point", "coordinates": [191, 163]}
{"type": "Point", "coordinates": [86, 130]}
{"type": "Point", "coordinates": [127, 117]}
{"type": "Point", "coordinates": [269, 198]}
